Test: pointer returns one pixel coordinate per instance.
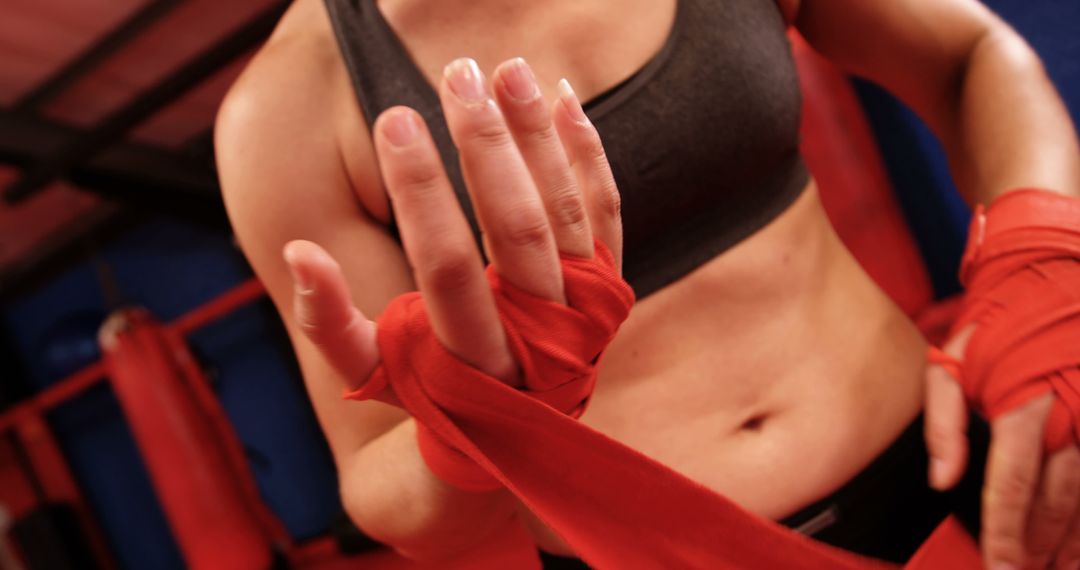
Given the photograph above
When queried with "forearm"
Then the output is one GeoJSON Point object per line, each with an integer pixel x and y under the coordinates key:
{"type": "Point", "coordinates": [1005, 126]}
{"type": "Point", "coordinates": [385, 485]}
{"type": "Point", "coordinates": [390, 493]}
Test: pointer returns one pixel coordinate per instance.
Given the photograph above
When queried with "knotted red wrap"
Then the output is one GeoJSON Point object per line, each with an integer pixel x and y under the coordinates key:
{"type": "Point", "coordinates": [1022, 273]}
{"type": "Point", "coordinates": [556, 346]}
{"type": "Point", "coordinates": [614, 506]}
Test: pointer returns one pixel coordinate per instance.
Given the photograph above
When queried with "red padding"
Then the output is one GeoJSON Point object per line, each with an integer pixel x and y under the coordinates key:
{"type": "Point", "coordinates": [190, 472]}
{"type": "Point", "coordinates": [839, 148]}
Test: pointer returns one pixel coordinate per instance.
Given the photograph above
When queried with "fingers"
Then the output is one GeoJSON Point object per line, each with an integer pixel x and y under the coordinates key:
{"type": "Point", "coordinates": [439, 244]}
{"type": "Point", "coordinates": [324, 312]}
{"type": "Point", "coordinates": [1056, 506]}
{"type": "Point", "coordinates": [1068, 554]}
{"type": "Point", "coordinates": [946, 424]}
{"type": "Point", "coordinates": [946, 420]}
{"type": "Point", "coordinates": [587, 158]}
{"type": "Point", "coordinates": [520, 240]}
{"type": "Point", "coordinates": [528, 117]}
{"type": "Point", "coordinates": [1012, 475]}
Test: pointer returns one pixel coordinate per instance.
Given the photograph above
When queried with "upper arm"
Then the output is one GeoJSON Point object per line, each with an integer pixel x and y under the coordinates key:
{"type": "Point", "coordinates": [917, 49]}
{"type": "Point", "coordinates": [974, 81]}
{"type": "Point", "coordinates": [283, 178]}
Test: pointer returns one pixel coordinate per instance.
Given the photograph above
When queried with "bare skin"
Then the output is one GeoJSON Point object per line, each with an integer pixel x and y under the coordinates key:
{"type": "Point", "coordinates": [819, 372]}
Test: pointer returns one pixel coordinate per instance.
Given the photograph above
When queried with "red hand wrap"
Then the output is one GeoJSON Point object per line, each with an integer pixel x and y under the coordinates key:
{"type": "Point", "coordinates": [614, 506]}
{"type": "Point", "coordinates": [556, 346]}
{"type": "Point", "coordinates": [1022, 273]}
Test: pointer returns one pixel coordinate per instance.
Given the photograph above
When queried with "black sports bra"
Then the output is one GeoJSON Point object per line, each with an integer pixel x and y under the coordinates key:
{"type": "Point", "coordinates": [702, 140]}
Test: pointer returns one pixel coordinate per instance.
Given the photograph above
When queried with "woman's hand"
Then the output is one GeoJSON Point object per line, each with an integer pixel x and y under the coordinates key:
{"type": "Point", "coordinates": [540, 185]}
{"type": "Point", "coordinates": [1031, 502]}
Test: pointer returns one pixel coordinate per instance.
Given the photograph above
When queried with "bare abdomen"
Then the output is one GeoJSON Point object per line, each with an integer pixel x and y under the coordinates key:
{"type": "Point", "coordinates": [772, 374]}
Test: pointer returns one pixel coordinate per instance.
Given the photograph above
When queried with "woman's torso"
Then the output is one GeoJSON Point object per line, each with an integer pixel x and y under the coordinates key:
{"type": "Point", "coordinates": [771, 373]}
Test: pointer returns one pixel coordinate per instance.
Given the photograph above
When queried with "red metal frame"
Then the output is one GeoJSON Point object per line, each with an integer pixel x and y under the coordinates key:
{"type": "Point", "coordinates": [26, 421]}
{"type": "Point", "coordinates": [170, 356]}
{"type": "Point", "coordinates": [58, 483]}
{"type": "Point", "coordinates": [92, 374]}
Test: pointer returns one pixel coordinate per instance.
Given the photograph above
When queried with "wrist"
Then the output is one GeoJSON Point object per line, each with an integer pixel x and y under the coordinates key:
{"type": "Point", "coordinates": [1015, 211]}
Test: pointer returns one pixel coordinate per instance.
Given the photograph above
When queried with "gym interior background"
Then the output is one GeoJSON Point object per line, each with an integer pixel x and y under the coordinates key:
{"type": "Point", "coordinates": [111, 201]}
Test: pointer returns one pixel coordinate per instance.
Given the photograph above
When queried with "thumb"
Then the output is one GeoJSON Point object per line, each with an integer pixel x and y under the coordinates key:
{"type": "Point", "coordinates": [946, 419]}
{"type": "Point", "coordinates": [323, 310]}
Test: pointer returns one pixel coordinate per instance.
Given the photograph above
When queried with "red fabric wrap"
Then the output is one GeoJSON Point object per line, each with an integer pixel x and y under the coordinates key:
{"type": "Point", "coordinates": [1022, 274]}
{"type": "Point", "coordinates": [614, 506]}
{"type": "Point", "coordinates": [556, 346]}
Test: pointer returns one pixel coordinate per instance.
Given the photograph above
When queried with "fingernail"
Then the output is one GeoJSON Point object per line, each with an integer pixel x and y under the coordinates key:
{"type": "Point", "coordinates": [301, 280]}
{"type": "Point", "coordinates": [937, 472]}
{"type": "Point", "coordinates": [400, 127]}
{"type": "Point", "coordinates": [1002, 565]}
{"type": "Point", "coordinates": [520, 81]}
{"type": "Point", "coordinates": [573, 105]}
{"type": "Point", "coordinates": [466, 80]}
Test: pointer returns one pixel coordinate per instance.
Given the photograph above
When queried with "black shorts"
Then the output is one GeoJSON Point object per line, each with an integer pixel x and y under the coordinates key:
{"type": "Point", "coordinates": [888, 510]}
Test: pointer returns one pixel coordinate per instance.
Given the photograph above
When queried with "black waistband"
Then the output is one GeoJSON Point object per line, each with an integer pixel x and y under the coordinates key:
{"type": "Point", "coordinates": [888, 510]}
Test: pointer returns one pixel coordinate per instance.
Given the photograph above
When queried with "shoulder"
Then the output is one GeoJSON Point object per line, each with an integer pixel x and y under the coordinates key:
{"type": "Point", "coordinates": [277, 139]}
{"type": "Point", "coordinates": [285, 88]}
{"type": "Point", "coordinates": [292, 116]}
